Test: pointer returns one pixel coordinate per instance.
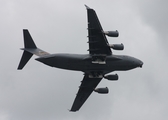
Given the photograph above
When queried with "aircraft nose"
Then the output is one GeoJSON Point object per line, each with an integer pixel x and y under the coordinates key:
{"type": "Point", "coordinates": [140, 64]}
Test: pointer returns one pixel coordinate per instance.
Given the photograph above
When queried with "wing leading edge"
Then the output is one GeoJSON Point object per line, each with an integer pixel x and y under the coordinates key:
{"type": "Point", "coordinates": [86, 88]}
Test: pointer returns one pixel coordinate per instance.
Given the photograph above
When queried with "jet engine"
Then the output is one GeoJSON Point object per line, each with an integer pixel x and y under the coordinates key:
{"type": "Point", "coordinates": [111, 77]}
{"type": "Point", "coordinates": [117, 46]}
{"type": "Point", "coordinates": [111, 33]}
{"type": "Point", "coordinates": [102, 90]}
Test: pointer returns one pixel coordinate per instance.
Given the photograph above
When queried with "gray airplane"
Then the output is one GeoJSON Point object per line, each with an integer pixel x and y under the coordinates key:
{"type": "Point", "coordinates": [96, 65]}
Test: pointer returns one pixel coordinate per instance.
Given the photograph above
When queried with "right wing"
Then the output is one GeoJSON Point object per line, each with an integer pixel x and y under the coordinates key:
{"type": "Point", "coordinates": [86, 88]}
{"type": "Point", "coordinates": [98, 43]}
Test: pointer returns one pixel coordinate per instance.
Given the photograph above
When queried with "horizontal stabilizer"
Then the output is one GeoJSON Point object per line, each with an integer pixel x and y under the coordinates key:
{"type": "Point", "coordinates": [35, 51]}
{"type": "Point", "coordinates": [25, 58]}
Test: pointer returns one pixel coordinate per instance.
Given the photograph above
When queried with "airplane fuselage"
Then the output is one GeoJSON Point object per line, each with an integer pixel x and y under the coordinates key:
{"type": "Point", "coordinates": [85, 63]}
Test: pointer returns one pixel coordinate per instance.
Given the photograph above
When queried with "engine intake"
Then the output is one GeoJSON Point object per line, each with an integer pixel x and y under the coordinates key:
{"type": "Point", "coordinates": [111, 33]}
{"type": "Point", "coordinates": [117, 46]}
{"type": "Point", "coordinates": [111, 77]}
{"type": "Point", "coordinates": [102, 90]}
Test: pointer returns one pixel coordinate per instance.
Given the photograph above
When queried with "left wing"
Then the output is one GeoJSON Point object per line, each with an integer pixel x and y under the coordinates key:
{"type": "Point", "coordinates": [87, 86]}
{"type": "Point", "coordinates": [98, 43]}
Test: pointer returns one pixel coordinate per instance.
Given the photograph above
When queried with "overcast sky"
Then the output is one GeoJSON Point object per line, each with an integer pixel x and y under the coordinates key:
{"type": "Point", "coordinates": [39, 92]}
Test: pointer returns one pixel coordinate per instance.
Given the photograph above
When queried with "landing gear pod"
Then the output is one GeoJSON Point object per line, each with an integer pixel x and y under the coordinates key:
{"type": "Point", "coordinates": [111, 33]}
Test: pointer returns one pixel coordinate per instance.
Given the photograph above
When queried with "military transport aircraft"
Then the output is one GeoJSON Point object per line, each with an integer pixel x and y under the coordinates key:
{"type": "Point", "coordinates": [96, 65]}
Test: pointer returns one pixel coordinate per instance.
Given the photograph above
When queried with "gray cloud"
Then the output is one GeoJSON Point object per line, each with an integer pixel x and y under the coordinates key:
{"type": "Point", "coordinates": [41, 92]}
{"type": "Point", "coordinates": [154, 13]}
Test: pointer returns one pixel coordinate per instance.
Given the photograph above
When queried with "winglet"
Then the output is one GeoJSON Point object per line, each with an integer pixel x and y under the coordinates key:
{"type": "Point", "coordinates": [87, 7]}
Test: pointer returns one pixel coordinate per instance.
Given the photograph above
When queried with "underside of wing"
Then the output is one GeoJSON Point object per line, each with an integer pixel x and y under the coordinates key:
{"type": "Point", "coordinates": [98, 43]}
{"type": "Point", "coordinates": [86, 88]}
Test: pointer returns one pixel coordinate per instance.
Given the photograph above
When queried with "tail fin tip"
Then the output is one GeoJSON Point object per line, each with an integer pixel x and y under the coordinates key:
{"type": "Point", "coordinates": [28, 41]}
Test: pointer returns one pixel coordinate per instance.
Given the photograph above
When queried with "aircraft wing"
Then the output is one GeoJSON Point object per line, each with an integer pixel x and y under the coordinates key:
{"type": "Point", "coordinates": [86, 88]}
{"type": "Point", "coordinates": [98, 43]}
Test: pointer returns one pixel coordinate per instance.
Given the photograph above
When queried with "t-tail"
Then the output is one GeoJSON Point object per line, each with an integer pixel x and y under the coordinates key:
{"type": "Point", "coordinates": [30, 48]}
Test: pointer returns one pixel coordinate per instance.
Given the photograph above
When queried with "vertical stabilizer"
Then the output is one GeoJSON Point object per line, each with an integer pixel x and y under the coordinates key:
{"type": "Point", "coordinates": [28, 41]}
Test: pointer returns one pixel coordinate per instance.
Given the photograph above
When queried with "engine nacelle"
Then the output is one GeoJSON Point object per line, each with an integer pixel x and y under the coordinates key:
{"type": "Point", "coordinates": [111, 77]}
{"type": "Point", "coordinates": [117, 46]}
{"type": "Point", "coordinates": [111, 33]}
{"type": "Point", "coordinates": [102, 90]}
